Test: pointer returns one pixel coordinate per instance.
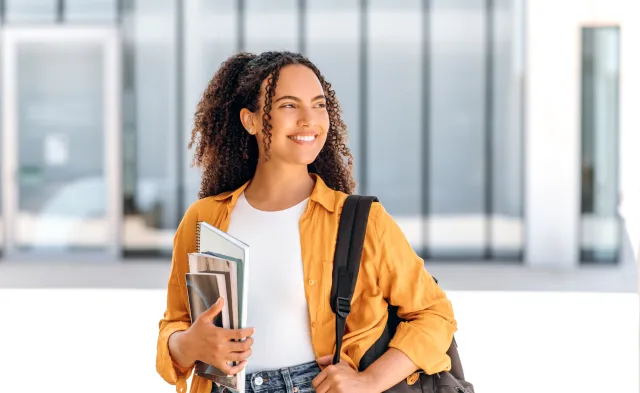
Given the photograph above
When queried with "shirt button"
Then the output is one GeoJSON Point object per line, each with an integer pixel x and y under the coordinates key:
{"type": "Point", "coordinates": [311, 282]}
{"type": "Point", "coordinates": [259, 381]}
{"type": "Point", "coordinates": [313, 324]}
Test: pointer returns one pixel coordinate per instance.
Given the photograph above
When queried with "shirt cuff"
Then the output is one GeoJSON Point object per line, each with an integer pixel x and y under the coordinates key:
{"type": "Point", "coordinates": [423, 350]}
{"type": "Point", "coordinates": [170, 371]}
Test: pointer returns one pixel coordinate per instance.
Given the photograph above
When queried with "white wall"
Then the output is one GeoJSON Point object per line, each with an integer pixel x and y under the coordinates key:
{"type": "Point", "coordinates": [552, 122]}
{"type": "Point", "coordinates": [104, 341]}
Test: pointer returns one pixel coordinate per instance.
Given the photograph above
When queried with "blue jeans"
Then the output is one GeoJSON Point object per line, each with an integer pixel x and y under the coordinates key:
{"type": "Point", "coordinates": [296, 379]}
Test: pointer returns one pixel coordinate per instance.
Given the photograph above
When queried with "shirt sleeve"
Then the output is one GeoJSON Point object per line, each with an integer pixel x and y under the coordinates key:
{"type": "Point", "coordinates": [176, 316]}
{"type": "Point", "coordinates": [428, 321]}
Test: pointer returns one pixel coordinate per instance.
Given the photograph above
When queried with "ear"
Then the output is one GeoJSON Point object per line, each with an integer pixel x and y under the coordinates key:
{"type": "Point", "coordinates": [248, 120]}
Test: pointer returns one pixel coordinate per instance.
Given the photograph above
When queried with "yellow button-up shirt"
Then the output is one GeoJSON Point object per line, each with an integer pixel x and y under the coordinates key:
{"type": "Point", "coordinates": [390, 271]}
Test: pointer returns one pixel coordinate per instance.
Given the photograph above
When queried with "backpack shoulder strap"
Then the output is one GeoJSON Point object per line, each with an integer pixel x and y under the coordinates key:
{"type": "Point", "coordinates": [346, 262]}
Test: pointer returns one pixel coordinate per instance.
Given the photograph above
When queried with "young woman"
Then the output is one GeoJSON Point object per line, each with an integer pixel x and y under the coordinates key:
{"type": "Point", "coordinates": [276, 172]}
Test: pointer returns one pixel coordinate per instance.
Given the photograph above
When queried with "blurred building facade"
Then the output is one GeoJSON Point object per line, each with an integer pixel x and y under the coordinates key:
{"type": "Point", "coordinates": [492, 130]}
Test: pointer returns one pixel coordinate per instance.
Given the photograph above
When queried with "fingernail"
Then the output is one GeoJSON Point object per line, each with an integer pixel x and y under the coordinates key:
{"type": "Point", "coordinates": [218, 301]}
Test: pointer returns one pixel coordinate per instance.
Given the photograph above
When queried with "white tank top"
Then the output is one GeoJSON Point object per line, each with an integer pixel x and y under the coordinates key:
{"type": "Point", "coordinates": [277, 307]}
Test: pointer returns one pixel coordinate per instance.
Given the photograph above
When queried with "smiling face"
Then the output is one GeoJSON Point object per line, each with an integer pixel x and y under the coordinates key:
{"type": "Point", "coordinates": [299, 118]}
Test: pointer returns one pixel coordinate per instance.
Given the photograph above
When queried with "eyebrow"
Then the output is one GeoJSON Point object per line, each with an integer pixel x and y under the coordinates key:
{"type": "Point", "coordinates": [319, 97]}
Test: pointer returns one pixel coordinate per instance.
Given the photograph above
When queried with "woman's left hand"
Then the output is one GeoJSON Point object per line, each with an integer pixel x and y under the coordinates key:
{"type": "Point", "coordinates": [341, 378]}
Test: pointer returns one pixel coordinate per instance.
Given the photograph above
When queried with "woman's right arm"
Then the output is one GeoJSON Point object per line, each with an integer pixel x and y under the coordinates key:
{"type": "Point", "coordinates": [176, 316]}
{"type": "Point", "coordinates": [181, 343]}
{"type": "Point", "coordinates": [179, 351]}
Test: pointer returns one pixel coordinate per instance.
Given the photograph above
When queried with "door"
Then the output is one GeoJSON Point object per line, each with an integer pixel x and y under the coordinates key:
{"type": "Point", "coordinates": [61, 142]}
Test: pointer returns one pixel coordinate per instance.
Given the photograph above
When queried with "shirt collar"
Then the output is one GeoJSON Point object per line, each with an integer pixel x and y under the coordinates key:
{"type": "Point", "coordinates": [321, 194]}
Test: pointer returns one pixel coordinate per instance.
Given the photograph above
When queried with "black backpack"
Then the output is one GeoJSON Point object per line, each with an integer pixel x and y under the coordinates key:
{"type": "Point", "coordinates": [351, 234]}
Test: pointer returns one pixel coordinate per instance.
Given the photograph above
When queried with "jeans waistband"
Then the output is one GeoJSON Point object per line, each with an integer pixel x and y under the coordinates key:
{"type": "Point", "coordinates": [288, 379]}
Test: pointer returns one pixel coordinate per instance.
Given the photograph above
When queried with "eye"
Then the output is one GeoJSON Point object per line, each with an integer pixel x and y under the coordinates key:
{"type": "Point", "coordinates": [322, 105]}
{"type": "Point", "coordinates": [287, 106]}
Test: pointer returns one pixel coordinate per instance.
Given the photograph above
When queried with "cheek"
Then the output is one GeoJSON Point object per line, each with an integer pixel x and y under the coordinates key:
{"type": "Point", "coordinates": [324, 121]}
{"type": "Point", "coordinates": [282, 123]}
{"type": "Point", "coordinates": [278, 127]}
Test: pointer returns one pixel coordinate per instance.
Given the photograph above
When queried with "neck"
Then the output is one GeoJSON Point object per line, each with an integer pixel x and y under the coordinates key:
{"type": "Point", "coordinates": [277, 187]}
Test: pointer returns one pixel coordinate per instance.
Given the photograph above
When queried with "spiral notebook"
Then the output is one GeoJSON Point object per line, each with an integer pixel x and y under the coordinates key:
{"type": "Point", "coordinates": [227, 258]}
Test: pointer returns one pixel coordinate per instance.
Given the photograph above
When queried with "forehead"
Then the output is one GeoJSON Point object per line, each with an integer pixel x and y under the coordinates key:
{"type": "Point", "coordinates": [296, 80]}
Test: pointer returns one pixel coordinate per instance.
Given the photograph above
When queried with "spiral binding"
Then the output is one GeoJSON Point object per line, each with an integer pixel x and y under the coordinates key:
{"type": "Point", "coordinates": [198, 236]}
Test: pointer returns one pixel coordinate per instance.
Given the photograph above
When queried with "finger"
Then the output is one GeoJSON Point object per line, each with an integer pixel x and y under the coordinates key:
{"type": "Point", "coordinates": [324, 387]}
{"type": "Point", "coordinates": [239, 334]}
{"type": "Point", "coordinates": [212, 311]}
{"type": "Point", "coordinates": [319, 379]}
{"type": "Point", "coordinates": [240, 356]}
{"type": "Point", "coordinates": [240, 346]}
{"type": "Point", "coordinates": [229, 370]}
{"type": "Point", "coordinates": [325, 360]}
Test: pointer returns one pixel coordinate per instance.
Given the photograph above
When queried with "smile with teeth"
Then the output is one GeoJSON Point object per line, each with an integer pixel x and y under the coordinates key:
{"type": "Point", "coordinates": [303, 138]}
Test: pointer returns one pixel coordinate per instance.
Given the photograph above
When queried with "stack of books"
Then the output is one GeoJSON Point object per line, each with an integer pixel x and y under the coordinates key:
{"type": "Point", "coordinates": [219, 268]}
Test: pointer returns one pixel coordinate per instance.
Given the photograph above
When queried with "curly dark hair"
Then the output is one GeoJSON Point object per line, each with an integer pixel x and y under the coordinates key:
{"type": "Point", "coordinates": [227, 154]}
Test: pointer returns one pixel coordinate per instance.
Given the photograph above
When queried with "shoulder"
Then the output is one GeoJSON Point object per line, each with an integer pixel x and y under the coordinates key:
{"type": "Point", "coordinates": [379, 218]}
{"type": "Point", "coordinates": [205, 209]}
{"type": "Point", "coordinates": [199, 208]}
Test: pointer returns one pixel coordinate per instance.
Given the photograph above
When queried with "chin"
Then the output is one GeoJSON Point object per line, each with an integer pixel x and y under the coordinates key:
{"type": "Point", "coordinates": [305, 158]}
{"type": "Point", "coordinates": [302, 160]}
{"type": "Point", "coordinates": [296, 156]}
{"type": "Point", "coordinates": [307, 162]}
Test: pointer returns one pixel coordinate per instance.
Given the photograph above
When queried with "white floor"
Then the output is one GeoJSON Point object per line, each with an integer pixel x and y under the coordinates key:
{"type": "Point", "coordinates": [104, 340]}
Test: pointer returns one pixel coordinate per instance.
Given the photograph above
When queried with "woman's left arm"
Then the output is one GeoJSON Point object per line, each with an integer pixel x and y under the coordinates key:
{"type": "Point", "coordinates": [428, 324]}
{"type": "Point", "coordinates": [387, 371]}
{"type": "Point", "coordinates": [421, 341]}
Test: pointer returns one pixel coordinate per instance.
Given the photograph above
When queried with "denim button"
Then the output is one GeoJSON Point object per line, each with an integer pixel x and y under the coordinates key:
{"type": "Point", "coordinates": [259, 381]}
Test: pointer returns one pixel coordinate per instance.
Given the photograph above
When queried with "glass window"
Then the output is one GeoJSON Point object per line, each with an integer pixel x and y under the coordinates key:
{"type": "Point", "coordinates": [506, 230]}
{"type": "Point", "coordinates": [31, 11]}
{"type": "Point", "coordinates": [474, 147]}
{"type": "Point", "coordinates": [600, 224]}
{"type": "Point", "coordinates": [457, 164]}
{"type": "Point", "coordinates": [336, 52]}
{"type": "Point", "coordinates": [2, 174]}
{"type": "Point", "coordinates": [91, 11]}
{"type": "Point", "coordinates": [210, 36]}
{"type": "Point", "coordinates": [433, 110]}
{"type": "Point", "coordinates": [394, 111]}
{"type": "Point", "coordinates": [150, 148]}
{"type": "Point", "coordinates": [61, 138]}
{"type": "Point", "coordinates": [271, 25]}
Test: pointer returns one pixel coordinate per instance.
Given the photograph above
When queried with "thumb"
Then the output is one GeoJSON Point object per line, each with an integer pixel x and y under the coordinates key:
{"type": "Point", "coordinates": [325, 361]}
{"type": "Point", "coordinates": [212, 311]}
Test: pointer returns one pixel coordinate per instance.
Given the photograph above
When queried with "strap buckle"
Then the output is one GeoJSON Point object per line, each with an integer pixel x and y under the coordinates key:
{"type": "Point", "coordinates": [343, 306]}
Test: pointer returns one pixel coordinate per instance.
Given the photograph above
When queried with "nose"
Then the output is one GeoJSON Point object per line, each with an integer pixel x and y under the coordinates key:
{"type": "Point", "coordinates": [306, 118]}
